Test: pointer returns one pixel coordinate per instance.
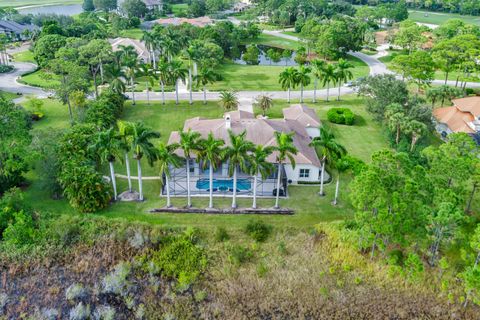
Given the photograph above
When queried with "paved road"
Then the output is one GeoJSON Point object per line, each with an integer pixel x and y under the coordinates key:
{"type": "Point", "coordinates": [8, 81]}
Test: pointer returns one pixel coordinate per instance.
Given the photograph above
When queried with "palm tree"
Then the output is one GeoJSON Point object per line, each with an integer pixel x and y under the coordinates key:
{"type": "Point", "coordinates": [341, 165]}
{"type": "Point", "coordinates": [237, 154]}
{"type": "Point", "coordinates": [189, 143]}
{"type": "Point", "coordinates": [416, 129]}
{"type": "Point", "coordinates": [285, 149]}
{"type": "Point", "coordinates": [229, 100]}
{"type": "Point", "coordinates": [343, 73]}
{"type": "Point", "coordinates": [142, 146]}
{"type": "Point", "coordinates": [204, 77]}
{"type": "Point", "coordinates": [167, 158]}
{"type": "Point", "coordinates": [149, 40]}
{"type": "Point", "coordinates": [191, 54]}
{"type": "Point", "coordinates": [329, 150]}
{"type": "Point", "coordinates": [212, 153]}
{"type": "Point", "coordinates": [163, 76]}
{"type": "Point", "coordinates": [264, 102]}
{"type": "Point", "coordinates": [106, 146]}
{"type": "Point", "coordinates": [259, 166]}
{"type": "Point", "coordinates": [303, 79]}
{"type": "Point", "coordinates": [116, 76]}
{"type": "Point", "coordinates": [329, 76]}
{"type": "Point", "coordinates": [148, 73]}
{"type": "Point", "coordinates": [317, 70]}
{"type": "Point", "coordinates": [288, 79]}
{"type": "Point", "coordinates": [176, 71]}
{"type": "Point", "coordinates": [396, 122]}
{"type": "Point", "coordinates": [131, 69]}
{"type": "Point", "coordinates": [125, 133]}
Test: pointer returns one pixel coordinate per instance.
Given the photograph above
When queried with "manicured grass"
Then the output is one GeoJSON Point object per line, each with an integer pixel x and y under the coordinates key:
{"type": "Point", "coordinates": [8, 95]}
{"type": "Point", "coordinates": [41, 79]}
{"type": "Point", "coordinates": [360, 140]}
{"type": "Point", "coordinates": [245, 77]}
{"type": "Point", "coordinates": [292, 33]}
{"type": "Point", "coordinates": [273, 41]}
{"type": "Point", "coordinates": [135, 33]}
{"type": "Point", "coordinates": [440, 17]}
{"type": "Point", "coordinates": [179, 8]}
{"type": "Point", "coordinates": [24, 56]}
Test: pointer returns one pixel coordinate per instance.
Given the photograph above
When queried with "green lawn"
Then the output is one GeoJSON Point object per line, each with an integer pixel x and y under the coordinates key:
{"type": "Point", "coordinates": [246, 77]}
{"type": "Point", "coordinates": [292, 33]}
{"type": "Point", "coordinates": [41, 79]}
{"type": "Point", "coordinates": [24, 56]}
{"type": "Point", "coordinates": [135, 33]}
{"type": "Point", "coordinates": [440, 17]}
{"type": "Point", "coordinates": [179, 8]}
{"type": "Point", "coordinates": [273, 41]}
{"type": "Point", "coordinates": [8, 95]}
{"type": "Point", "coordinates": [360, 140]}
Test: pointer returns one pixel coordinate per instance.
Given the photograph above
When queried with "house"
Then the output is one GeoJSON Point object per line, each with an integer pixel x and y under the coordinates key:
{"type": "Point", "coordinates": [463, 116]}
{"type": "Point", "coordinates": [150, 4]}
{"type": "Point", "coordinates": [15, 30]}
{"type": "Point", "coordinates": [139, 46]}
{"type": "Point", "coordinates": [299, 119]}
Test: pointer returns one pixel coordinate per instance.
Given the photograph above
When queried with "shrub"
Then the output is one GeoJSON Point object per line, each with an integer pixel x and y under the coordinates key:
{"type": "Point", "coordinates": [21, 231]}
{"type": "Point", "coordinates": [258, 230]}
{"type": "Point", "coordinates": [239, 254]}
{"type": "Point", "coordinates": [75, 291]}
{"type": "Point", "coordinates": [116, 282]}
{"type": "Point", "coordinates": [80, 312]}
{"type": "Point", "coordinates": [221, 235]}
{"type": "Point", "coordinates": [341, 116]}
{"type": "Point", "coordinates": [5, 68]}
{"type": "Point", "coordinates": [104, 313]}
{"type": "Point", "coordinates": [181, 259]}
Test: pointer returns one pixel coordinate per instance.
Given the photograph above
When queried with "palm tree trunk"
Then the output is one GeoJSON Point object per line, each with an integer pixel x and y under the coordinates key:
{"type": "Point", "coordinates": [328, 89]}
{"type": "Point", "coordinates": [189, 200]}
{"type": "Point", "coordinates": [95, 86]}
{"type": "Point", "coordinates": [279, 176]}
{"type": "Point", "coordinates": [70, 111]}
{"type": "Point", "coordinates": [322, 175]}
{"type": "Point", "coordinates": [133, 90]}
{"type": "Point", "coordinates": [114, 182]}
{"type": "Point", "coordinates": [148, 94]}
{"type": "Point", "coordinates": [446, 77]}
{"type": "Point", "coordinates": [190, 86]}
{"type": "Point", "coordinates": [101, 73]}
{"type": "Point", "coordinates": [127, 164]}
{"type": "Point", "coordinates": [154, 59]}
{"type": "Point", "coordinates": [167, 186]}
{"type": "Point", "coordinates": [397, 138]}
{"type": "Point", "coordinates": [288, 95]}
{"type": "Point", "coordinates": [339, 88]}
{"type": "Point", "coordinates": [176, 91]}
{"type": "Point", "coordinates": [210, 176]}
{"type": "Point", "coordinates": [301, 93]}
{"type": "Point", "coordinates": [163, 92]}
{"type": "Point", "coordinates": [140, 186]}
{"type": "Point", "coordinates": [315, 83]}
{"type": "Point", "coordinates": [414, 141]}
{"type": "Point", "coordinates": [254, 205]}
{"type": "Point", "coordinates": [337, 187]}
{"type": "Point", "coordinates": [234, 198]}
{"type": "Point", "coordinates": [204, 95]}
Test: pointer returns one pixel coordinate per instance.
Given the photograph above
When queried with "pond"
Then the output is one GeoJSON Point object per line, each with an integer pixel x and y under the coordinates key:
{"type": "Point", "coordinates": [264, 60]}
{"type": "Point", "coordinates": [62, 9]}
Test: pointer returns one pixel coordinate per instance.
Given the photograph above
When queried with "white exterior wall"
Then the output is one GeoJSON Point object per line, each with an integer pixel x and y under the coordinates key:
{"type": "Point", "coordinates": [294, 174]}
{"type": "Point", "coordinates": [313, 132]}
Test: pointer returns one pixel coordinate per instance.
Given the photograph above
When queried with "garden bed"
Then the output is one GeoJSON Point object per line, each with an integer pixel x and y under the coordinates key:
{"type": "Point", "coordinates": [223, 211]}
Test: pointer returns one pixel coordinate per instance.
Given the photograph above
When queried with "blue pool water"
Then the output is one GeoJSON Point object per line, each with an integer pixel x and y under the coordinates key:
{"type": "Point", "coordinates": [224, 185]}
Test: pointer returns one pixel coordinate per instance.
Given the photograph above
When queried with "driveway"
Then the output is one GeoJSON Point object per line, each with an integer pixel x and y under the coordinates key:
{"type": "Point", "coordinates": [8, 81]}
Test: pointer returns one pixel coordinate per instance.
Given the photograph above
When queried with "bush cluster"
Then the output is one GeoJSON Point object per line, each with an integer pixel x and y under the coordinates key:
{"type": "Point", "coordinates": [258, 230]}
{"type": "Point", "coordinates": [5, 68]}
{"type": "Point", "coordinates": [341, 116]}
{"type": "Point", "coordinates": [104, 111]}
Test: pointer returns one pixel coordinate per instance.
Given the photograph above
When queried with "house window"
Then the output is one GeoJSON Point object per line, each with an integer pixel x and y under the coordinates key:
{"type": "Point", "coordinates": [304, 173]}
{"type": "Point", "coordinates": [192, 165]}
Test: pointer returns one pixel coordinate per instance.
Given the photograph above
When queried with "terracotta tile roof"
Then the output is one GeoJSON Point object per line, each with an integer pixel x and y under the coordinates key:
{"type": "Point", "coordinates": [455, 119]}
{"type": "Point", "coordinates": [468, 104]}
{"type": "Point", "coordinates": [259, 131]}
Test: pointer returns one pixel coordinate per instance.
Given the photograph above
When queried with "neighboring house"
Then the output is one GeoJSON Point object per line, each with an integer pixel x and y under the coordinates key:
{"type": "Point", "coordinates": [298, 119]}
{"type": "Point", "coordinates": [15, 30]}
{"type": "Point", "coordinates": [139, 46]}
{"type": "Point", "coordinates": [151, 4]}
{"type": "Point", "coordinates": [463, 116]}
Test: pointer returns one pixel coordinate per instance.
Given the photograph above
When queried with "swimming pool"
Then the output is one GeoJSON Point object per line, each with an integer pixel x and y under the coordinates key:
{"type": "Point", "coordinates": [224, 185]}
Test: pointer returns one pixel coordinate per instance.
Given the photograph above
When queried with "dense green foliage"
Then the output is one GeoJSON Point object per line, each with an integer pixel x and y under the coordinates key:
{"type": "Point", "coordinates": [341, 116]}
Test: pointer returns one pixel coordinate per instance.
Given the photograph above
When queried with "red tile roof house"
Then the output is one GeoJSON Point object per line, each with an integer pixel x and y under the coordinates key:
{"type": "Point", "coordinates": [463, 116]}
{"type": "Point", "coordinates": [299, 119]}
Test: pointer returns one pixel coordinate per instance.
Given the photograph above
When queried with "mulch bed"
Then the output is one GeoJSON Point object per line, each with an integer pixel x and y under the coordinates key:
{"type": "Point", "coordinates": [281, 211]}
